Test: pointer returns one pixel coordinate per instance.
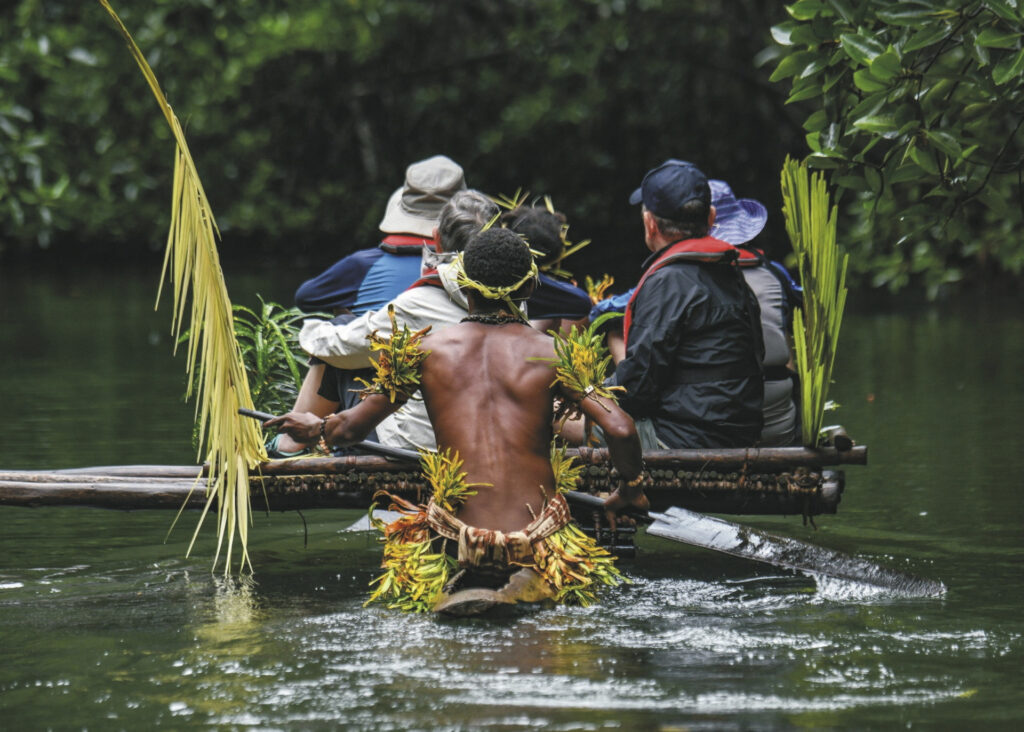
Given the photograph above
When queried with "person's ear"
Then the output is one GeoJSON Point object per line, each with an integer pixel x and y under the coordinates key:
{"type": "Point", "coordinates": [650, 225]}
{"type": "Point", "coordinates": [711, 216]}
{"type": "Point", "coordinates": [437, 239]}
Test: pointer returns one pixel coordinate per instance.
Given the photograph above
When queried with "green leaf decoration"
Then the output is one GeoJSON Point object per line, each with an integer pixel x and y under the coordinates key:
{"type": "Point", "coordinates": [811, 225]}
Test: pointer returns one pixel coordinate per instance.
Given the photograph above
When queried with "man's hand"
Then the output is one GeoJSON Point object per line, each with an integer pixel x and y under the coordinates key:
{"type": "Point", "coordinates": [622, 499]}
{"type": "Point", "coordinates": [303, 427]}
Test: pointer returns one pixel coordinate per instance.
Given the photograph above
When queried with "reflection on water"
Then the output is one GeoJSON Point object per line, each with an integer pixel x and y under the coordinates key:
{"type": "Point", "coordinates": [102, 625]}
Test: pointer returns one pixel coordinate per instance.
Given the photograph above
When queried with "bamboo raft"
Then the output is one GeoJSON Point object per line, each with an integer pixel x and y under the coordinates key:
{"type": "Point", "coordinates": [755, 481]}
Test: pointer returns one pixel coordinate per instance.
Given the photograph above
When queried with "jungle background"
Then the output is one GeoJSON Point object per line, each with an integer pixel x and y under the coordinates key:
{"type": "Point", "coordinates": [302, 117]}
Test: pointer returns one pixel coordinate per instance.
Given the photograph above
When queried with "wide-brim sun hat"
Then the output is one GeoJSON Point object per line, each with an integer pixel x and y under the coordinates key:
{"type": "Point", "coordinates": [737, 220]}
{"type": "Point", "coordinates": [416, 206]}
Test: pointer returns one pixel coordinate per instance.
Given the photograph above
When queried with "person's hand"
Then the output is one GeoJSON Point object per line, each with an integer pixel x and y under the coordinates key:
{"type": "Point", "coordinates": [625, 498]}
{"type": "Point", "coordinates": [303, 427]}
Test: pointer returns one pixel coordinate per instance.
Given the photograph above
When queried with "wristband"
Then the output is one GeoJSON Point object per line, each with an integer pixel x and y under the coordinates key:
{"type": "Point", "coordinates": [322, 442]}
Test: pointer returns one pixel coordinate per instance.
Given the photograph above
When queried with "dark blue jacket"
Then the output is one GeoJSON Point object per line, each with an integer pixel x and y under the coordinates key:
{"type": "Point", "coordinates": [365, 280]}
{"type": "Point", "coordinates": [693, 356]}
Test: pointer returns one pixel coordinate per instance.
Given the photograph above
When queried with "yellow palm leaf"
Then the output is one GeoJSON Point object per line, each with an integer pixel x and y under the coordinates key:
{"type": "Point", "coordinates": [192, 266]}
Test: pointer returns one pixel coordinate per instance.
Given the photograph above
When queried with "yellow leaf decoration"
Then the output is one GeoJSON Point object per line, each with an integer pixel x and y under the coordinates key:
{"type": "Point", "coordinates": [398, 365]}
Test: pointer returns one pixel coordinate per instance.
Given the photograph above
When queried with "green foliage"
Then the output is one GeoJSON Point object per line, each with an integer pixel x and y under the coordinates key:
{"type": "Point", "coordinates": [915, 106]}
{"type": "Point", "coordinates": [302, 116]}
{"type": "Point", "coordinates": [811, 224]}
{"type": "Point", "coordinates": [268, 338]}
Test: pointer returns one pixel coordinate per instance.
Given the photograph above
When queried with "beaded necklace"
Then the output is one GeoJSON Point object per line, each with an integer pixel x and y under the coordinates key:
{"type": "Point", "coordinates": [498, 318]}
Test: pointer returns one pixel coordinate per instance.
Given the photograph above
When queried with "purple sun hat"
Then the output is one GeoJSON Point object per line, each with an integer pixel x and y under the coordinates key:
{"type": "Point", "coordinates": [737, 220]}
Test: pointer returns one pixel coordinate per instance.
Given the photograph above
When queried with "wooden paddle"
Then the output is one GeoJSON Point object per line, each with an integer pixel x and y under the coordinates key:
{"type": "Point", "coordinates": [697, 529]}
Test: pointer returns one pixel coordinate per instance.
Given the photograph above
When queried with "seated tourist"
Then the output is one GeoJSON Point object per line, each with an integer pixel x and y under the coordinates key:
{"type": "Point", "coordinates": [435, 300]}
{"type": "Point", "coordinates": [370, 278]}
{"type": "Point", "coordinates": [738, 221]}
{"type": "Point", "coordinates": [499, 527]}
{"type": "Point", "coordinates": [692, 344]}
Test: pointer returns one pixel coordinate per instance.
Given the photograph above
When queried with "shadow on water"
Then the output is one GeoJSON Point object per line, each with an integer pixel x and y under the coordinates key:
{"type": "Point", "coordinates": [102, 625]}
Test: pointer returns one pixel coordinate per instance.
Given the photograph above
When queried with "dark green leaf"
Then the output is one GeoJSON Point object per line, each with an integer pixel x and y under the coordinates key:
{"type": "Point", "coordinates": [925, 37]}
{"type": "Point", "coordinates": [861, 48]}
{"type": "Point", "coordinates": [844, 9]}
{"type": "Point", "coordinates": [804, 89]}
{"type": "Point", "coordinates": [886, 66]}
{"type": "Point", "coordinates": [868, 106]}
{"type": "Point", "coordinates": [791, 65]}
{"type": "Point", "coordinates": [996, 38]}
{"type": "Point", "coordinates": [805, 9]}
{"type": "Point", "coordinates": [908, 171]}
{"type": "Point", "coordinates": [814, 67]}
{"type": "Point", "coordinates": [1004, 10]}
{"type": "Point", "coordinates": [905, 14]}
{"type": "Point", "coordinates": [924, 160]}
{"type": "Point", "coordinates": [874, 180]}
{"type": "Point", "coordinates": [805, 35]}
{"type": "Point", "coordinates": [822, 162]}
{"type": "Point", "coordinates": [1009, 68]}
{"type": "Point", "coordinates": [864, 81]}
{"type": "Point", "coordinates": [832, 78]}
{"type": "Point", "coordinates": [816, 122]}
{"type": "Point", "coordinates": [945, 142]}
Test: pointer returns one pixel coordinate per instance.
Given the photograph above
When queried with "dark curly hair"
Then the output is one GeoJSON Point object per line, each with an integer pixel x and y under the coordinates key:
{"type": "Point", "coordinates": [497, 258]}
{"type": "Point", "coordinates": [541, 229]}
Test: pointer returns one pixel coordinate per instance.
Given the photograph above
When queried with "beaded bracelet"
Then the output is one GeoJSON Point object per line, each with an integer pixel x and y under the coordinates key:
{"type": "Point", "coordinates": [322, 442]}
{"type": "Point", "coordinates": [640, 479]}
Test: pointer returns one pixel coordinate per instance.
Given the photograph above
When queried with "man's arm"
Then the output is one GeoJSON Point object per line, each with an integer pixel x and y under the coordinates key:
{"type": "Point", "coordinates": [623, 449]}
{"type": "Point", "coordinates": [340, 428]}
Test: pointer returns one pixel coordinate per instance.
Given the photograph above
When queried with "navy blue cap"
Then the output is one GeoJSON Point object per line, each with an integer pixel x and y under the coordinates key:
{"type": "Point", "coordinates": [666, 189]}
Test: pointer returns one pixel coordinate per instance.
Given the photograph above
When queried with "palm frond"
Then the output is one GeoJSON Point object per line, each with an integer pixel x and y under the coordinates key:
{"type": "Point", "coordinates": [213, 358]}
{"type": "Point", "coordinates": [811, 225]}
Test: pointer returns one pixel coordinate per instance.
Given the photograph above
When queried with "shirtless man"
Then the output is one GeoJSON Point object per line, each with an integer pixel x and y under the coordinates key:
{"type": "Point", "coordinates": [487, 385]}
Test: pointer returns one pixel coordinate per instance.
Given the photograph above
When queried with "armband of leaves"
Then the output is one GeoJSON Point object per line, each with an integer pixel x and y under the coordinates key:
{"type": "Point", "coordinates": [398, 365]}
{"type": "Point", "coordinates": [581, 362]}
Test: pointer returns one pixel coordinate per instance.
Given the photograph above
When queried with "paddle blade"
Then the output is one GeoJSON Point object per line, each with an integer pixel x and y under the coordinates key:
{"type": "Point", "coordinates": [696, 529]}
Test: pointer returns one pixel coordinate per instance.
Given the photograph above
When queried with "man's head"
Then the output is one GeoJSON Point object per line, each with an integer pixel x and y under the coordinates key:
{"type": "Point", "coordinates": [463, 216]}
{"type": "Point", "coordinates": [497, 260]}
{"type": "Point", "coordinates": [676, 201]}
{"type": "Point", "coordinates": [429, 184]}
{"type": "Point", "coordinates": [541, 229]}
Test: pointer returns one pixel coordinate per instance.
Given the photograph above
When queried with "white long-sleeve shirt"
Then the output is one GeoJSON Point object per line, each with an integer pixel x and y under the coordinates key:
{"type": "Point", "coordinates": [348, 347]}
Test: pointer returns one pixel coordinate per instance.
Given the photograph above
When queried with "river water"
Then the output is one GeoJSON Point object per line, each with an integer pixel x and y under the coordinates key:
{"type": "Point", "coordinates": [104, 624]}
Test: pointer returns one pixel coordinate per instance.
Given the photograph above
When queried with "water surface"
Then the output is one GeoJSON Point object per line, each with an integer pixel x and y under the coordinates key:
{"type": "Point", "coordinates": [104, 625]}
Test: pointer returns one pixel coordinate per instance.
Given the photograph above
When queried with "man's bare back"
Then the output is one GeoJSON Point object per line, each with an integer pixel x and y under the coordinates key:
{"type": "Point", "coordinates": [491, 400]}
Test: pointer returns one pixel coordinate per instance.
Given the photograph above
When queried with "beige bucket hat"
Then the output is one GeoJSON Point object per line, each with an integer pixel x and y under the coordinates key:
{"type": "Point", "coordinates": [415, 207]}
